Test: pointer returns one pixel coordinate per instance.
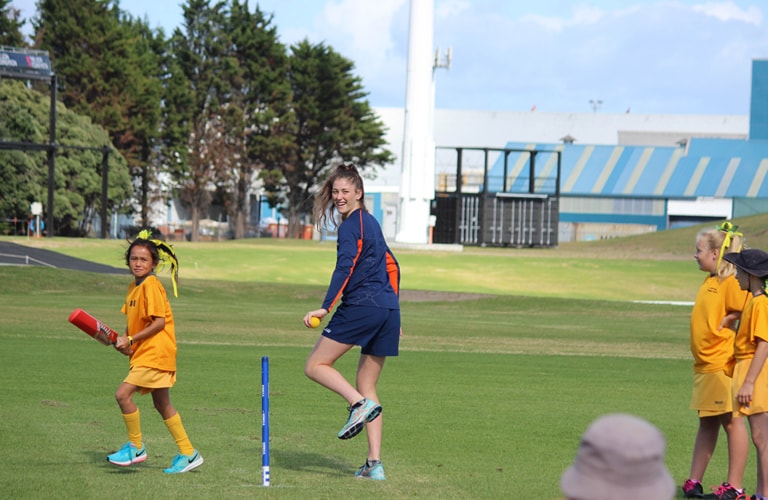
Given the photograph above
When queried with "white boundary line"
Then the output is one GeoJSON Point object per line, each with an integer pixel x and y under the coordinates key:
{"type": "Point", "coordinates": [664, 302]}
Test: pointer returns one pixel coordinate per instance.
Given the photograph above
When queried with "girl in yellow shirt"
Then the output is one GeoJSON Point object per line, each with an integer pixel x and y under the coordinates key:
{"type": "Point", "coordinates": [150, 341]}
{"type": "Point", "coordinates": [750, 377]}
{"type": "Point", "coordinates": [717, 307]}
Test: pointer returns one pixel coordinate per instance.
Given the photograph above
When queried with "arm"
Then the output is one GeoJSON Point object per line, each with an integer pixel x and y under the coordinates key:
{"type": "Point", "coordinates": [747, 389]}
{"type": "Point", "coordinates": [349, 248]}
{"type": "Point", "coordinates": [157, 325]}
{"type": "Point", "coordinates": [735, 300]}
{"type": "Point", "coordinates": [730, 320]}
{"type": "Point", "coordinates": [393, 270]}
{"type": "Point", "coordinates": [339, 280]}
{"type": "Point", "coordinates": [350, 245]}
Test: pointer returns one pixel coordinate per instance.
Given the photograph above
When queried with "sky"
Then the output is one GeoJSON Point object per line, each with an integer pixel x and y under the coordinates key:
{"type": "Point", "coordinates": [607, 56]}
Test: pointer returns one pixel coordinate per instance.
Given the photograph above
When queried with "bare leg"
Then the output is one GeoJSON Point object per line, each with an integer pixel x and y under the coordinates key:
{"type": "Point", "coordinates": [162, 400]}
{"type": "Point", "coordinates": [368, 371]}
{"type": "Point", "coordinates": [704, 447]}
{"type": "Point", "coordinates": [738, 448]}
{"type": "Point", "coordinates": [759, 425]}
{"type": "Point", "coordinates": [124, 397]}
{"type": "Point", "coordinates": [319, 367]}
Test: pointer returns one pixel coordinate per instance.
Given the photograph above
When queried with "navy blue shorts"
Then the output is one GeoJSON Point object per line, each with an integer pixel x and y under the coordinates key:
{"type": "Point", "coordinates": [375, 330]}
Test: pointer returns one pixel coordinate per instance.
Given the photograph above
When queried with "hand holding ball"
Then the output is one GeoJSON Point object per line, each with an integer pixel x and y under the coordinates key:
{"type": "Point", "coordinates": [314, 321]}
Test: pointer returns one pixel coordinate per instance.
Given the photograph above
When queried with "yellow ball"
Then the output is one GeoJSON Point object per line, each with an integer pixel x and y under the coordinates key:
{"type": "Point", "coordinates": [314, 321]}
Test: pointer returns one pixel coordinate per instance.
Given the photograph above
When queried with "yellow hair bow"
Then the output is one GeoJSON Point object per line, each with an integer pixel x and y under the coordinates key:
{"type": "Point", "coordinates": [730, 231]}
{"type": "Point", "coordinates": [167, 257]}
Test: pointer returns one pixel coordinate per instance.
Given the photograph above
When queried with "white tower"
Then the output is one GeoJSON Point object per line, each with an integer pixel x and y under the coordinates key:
{"type": "Point", "coordinates": [417, 187]}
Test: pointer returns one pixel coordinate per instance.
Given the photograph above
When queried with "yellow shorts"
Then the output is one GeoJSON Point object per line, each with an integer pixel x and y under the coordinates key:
{"type": "Point", "coordinates": [759, 402]}
{"type": "Point", "coordinates": [712, 394]}
{"type": "Point", "coordinates": [148, 379]}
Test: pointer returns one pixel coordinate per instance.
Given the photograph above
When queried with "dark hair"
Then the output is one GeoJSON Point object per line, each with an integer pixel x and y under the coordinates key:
{"type": "Point", "coordinates": [324, 198]}
{"type": "Point", "coordinates": [148, 244]}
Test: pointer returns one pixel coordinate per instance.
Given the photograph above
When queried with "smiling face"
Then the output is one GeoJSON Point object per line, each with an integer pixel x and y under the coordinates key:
{"type": "Point", "coordinates": [345, 197]}
{"type": "Point", "coordinates": [706, 257]}
{"type": "Point", "coordinates": [140, 261]}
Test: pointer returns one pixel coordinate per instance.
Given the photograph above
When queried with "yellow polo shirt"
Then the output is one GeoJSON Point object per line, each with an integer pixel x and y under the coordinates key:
{"type": "Point", "coordinates": [753, 326]}
{"type": "Point", "coordinates": [712, 349]}
{"type": "Point", "coordinates": [143, 303]}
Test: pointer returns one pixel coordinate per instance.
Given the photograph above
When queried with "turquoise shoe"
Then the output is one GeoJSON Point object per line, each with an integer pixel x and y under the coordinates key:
{"type": "Point", "coordinates": [374, 471]}
{"type": "Point", "coordinates": [128, 455]}
{"type": "Point", "coordinates": [185, 463]}
{"type": "Point", "coordinates": [360, 413]}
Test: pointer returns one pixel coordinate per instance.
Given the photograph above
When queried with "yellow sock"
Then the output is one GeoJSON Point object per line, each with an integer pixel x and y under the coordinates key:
{"type": "Point", "coordinates": [176, 428]}
{"type": "Point", "coordinates": [133, 424]}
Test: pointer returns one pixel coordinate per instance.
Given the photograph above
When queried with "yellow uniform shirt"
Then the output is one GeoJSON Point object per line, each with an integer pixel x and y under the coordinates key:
{"type": "Point", "coordinates": [754, 325]}
{"type": "Point", "coordinates": [712, 349]}
{"type": "Point", "coordinates": [142, 303]}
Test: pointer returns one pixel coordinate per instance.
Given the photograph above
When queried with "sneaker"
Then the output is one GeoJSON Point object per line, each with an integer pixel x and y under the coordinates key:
{"type": "Point", "coordinates": [693, 489]}
{"type": "Point", "coordinates": [360, 413]}
{"type": "Point", "coordinates": [185, 463]}
{"type": "Point", "coordinates": [374, 471]}
{"type": "Point", "coordinates": [727, 492]}
{"type": "Point", "coordinates": [128, 455]}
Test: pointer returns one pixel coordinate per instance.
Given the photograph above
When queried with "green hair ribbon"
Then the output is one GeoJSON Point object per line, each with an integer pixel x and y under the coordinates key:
{"type": "Point", "coordinates": [167, 258]}
{"type": "Point", "coordinates": [730, 231]}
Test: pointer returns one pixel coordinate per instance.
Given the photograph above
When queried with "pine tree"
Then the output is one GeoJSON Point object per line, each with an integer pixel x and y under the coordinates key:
{"type": "Point", "coordinates": [175, 118]}
{"type": "Point", "coordinates": [10, 25]}
{"type": "Point", "coordinates": [201, 49]}
{"type": "Point", "coordinates": [107, 71]}
{"type": "Point", "coordinates": [258, 114]}
{"type": "Point", "coordinates": [334, 123]}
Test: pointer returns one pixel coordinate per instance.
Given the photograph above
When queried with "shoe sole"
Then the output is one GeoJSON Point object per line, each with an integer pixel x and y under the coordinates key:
{"type": "Point", "coordinates": [712, 496]}
{"type": "Point", "coordinates": [136, 460]}
{"type": "Point", "coordinates": [355, 429]}
{"type": "Point", "coordinates": [194, 465]}
{"type": "Point", "coordinates": [371, 478]}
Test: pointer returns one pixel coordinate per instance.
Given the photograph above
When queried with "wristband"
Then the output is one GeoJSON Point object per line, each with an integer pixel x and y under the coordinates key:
{"type": "Point", "coordinates": [130, 340]}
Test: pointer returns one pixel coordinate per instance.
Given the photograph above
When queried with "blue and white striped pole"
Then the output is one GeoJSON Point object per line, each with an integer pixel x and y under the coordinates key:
{"type": "Point", "coordinates": [265, 421]}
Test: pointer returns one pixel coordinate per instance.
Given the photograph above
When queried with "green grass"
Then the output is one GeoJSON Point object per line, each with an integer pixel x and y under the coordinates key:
{"type": "Point", "coordinates": [656, 266]}
{"type": "Point", "coordinates": [482, 271]}
{"type": "Point", "coordinates": [487, 400]}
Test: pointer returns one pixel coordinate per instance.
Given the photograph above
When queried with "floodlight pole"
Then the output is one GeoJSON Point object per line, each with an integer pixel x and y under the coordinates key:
{"type": "Point", "coordinates": [51, 155]}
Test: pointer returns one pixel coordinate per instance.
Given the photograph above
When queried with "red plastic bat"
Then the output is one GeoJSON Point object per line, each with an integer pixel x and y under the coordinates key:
{"type": "Point", "coordinates": [93, 327]}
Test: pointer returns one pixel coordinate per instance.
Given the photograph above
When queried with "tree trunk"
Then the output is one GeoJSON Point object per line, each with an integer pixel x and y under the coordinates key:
{"type": "Point", "coordinates": [238, 224]}
{"type": "Point", "coordinates": [194, 235]}
{"type": "Point", "coordinates": [240, 212]}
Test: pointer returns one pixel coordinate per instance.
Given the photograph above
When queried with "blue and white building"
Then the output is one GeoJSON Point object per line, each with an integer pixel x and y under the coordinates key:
{"type": "Point", "coordinates": [619, 173]}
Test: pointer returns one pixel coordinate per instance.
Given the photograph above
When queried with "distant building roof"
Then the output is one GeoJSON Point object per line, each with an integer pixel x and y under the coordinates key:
{"type": "Point", "coordinates": [702, 167]}
{"type": "Point", "coordinates": [473, 128]}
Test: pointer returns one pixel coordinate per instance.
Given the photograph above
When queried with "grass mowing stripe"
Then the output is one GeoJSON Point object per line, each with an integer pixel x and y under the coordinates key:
{"type": "Point", "coordinates": [476, 270]}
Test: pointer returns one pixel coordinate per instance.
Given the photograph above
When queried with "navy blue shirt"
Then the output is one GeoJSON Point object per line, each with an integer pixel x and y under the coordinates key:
{"type": "Point", "coordinates": [367, 272]}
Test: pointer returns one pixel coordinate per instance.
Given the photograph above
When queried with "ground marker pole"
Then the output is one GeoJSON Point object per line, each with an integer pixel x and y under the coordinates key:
{"type": "Point", "coordinates": [265, 421]}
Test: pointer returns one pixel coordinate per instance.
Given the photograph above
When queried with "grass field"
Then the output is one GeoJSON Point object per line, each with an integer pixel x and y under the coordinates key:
{"type": "Point", "coordinates": [487, 400]}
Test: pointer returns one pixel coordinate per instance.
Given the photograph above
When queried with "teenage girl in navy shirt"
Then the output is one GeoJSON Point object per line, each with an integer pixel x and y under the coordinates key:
{"type": "Point", "coordinates": [365, 284]}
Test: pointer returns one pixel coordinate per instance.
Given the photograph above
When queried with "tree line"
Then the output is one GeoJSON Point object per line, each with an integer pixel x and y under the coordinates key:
{"type": "Point", "coordinates": [202, 114]}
